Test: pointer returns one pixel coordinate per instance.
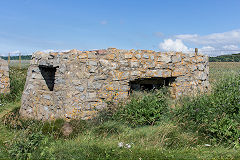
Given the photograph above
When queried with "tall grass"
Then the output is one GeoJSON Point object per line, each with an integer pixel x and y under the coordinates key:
{"type": "Point", "coordinates": [217, 114]}
{"type": "Point", "coordinates": [17, 82]}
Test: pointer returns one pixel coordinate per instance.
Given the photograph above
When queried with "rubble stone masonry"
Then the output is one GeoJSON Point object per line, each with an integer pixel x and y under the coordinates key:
{"type": "Point", "coordinates": [4, 77]}
{"type": "Point", "coordinates": [77, 84]}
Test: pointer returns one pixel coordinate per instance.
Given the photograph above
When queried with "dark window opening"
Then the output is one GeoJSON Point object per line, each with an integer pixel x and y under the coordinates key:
{"type": "Point", "coordinates": [48, 74]}
{"type": "Point", "coordinates": [149, 84]}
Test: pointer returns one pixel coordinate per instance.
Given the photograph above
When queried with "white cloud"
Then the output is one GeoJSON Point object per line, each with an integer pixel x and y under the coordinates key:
{"type": "Point", "coordinates": [211, 44]}
{"type": "Point", "coordinates": [224, 38]}
{"type": "Point", "coordinates": [231, 47]}
{"type": "Point", "coordinates": [171, 45]}
{"type": "Point", "coordinates": [15, 52]}
{"type": "Point", "coordinates": [186, 36]}
{"type": "Point", "coordinates": [55, 50]}
{"type": "Point", "coordinates": [207, 48]}
{"type": "Point", "coordinates": [214, 51]}
{"type": "Point", "coordinates": [48, 50]}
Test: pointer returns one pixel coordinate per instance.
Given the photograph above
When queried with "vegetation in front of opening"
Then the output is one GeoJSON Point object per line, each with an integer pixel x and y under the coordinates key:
{"type": "Point", "coordinates": [146, 108]}
{"type": "Point", "coordinates": [144, 127]}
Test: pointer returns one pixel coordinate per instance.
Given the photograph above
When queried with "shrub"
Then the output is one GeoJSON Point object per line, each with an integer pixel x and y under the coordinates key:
{"type": "Point", "coordinates": [217, 114]}
{"type": "Point", "coordinates": [24, 146]}
{"type": "Point", "coordinates": [144, 109]}
{"type": "Point", "coordinates": [53, 128]}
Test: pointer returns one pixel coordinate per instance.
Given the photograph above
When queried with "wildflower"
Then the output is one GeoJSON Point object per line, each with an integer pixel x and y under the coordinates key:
{"type": "Point", "coordinates": [128, 145]}
{"type": "Point", "coordinates": [120, 144]}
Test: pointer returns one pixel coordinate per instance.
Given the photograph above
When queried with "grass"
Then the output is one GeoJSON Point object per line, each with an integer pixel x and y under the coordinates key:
{"type": "Point", "coordinates": [218, 70]}
{"type": "Point", "coordinates": [100, 140]}
{"type": "Point", "coordinates": [24, 63]}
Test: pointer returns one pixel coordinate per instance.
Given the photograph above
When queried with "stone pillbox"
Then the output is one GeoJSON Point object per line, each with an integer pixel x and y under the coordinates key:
{"type": "Point", "coordinates": [77, 84]}
{"type": "Point", "coordinates": [4, 77]}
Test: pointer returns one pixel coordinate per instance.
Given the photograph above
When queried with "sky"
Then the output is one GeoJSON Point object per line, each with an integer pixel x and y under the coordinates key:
{"type": "Point", "coordinates": [27, 26]}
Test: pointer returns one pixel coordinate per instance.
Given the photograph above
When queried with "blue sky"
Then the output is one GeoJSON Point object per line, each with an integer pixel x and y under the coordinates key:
{"type": "Point", "coordinates": [30, 25]}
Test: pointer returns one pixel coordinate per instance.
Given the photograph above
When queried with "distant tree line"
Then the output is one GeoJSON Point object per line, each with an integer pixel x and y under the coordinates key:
{"type": "Point", "coordinates": [23, 57]}
{"type": "Point", "coordinates": [226, 58]}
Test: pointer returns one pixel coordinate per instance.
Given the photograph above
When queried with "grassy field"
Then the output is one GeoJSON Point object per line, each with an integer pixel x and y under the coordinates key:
{"type": "Point", "coordinates": [24, 63]}
{"type": "Point", "coordinates": [116, 138]}
{"type": "Point", "coordinates": [220, 69]}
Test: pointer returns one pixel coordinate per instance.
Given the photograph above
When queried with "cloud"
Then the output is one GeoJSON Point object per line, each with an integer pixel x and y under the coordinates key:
{"type": "Point", "coordinates": [231, 47]}
{"type": "Point", "coordinates": [15, 52]}
{"type": "Point", "coordinates": [186, 36]}
{"type": "Point", "coordinates": [103, 22]}
{"type": "Point", "coordinates": [55, 50]}
{"type": "Point", "coordinates": [211, 44]}
{"type": "Point", "coordinates": [224, 38]}
{"type": "Point", "coordinates": [213, 51]}
{"type": "Point", "coordinates": [171, 45]}
{"type": "Point", "coordinates": [207, 48]}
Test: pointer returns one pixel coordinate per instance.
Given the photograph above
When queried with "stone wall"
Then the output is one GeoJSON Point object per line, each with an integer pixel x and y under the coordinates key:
{"type": "Point", "coordinates": [77, 84]}
{"type": "Point", "coordinates": [4, 77]}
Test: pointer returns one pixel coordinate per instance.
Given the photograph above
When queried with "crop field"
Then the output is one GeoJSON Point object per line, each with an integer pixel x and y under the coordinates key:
{"type": "Point", "coordinates": [202, 127]}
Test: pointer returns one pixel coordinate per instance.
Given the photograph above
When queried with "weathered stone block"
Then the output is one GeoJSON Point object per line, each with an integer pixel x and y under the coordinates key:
{"type": "Point", "coordinates": [128, 55]}
{"type": "Point", "coordinates": [145, 56]}
{"type": "Point", "coordinates": [164, 58]}
{"type": "Point", "coordinates": [179, 71]}
{"type": "Point", "coordinates": [134, 64]}
{"type": "Point", "coordinates": [176, 58]}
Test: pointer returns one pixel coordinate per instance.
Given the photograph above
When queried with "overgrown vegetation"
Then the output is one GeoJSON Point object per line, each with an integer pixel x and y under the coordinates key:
{"type": "Point", "coordinates": [144, 109]}
{"type": "Point", "coordinates": [17, 82]}
{"type": "Point", "coordinates": [216, 115]}
{"type": "Point", "coordinates": [144, 127]}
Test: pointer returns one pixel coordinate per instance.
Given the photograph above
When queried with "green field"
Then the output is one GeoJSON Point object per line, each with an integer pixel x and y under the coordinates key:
{"type": "Point", "coordinates": [178, 134]}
